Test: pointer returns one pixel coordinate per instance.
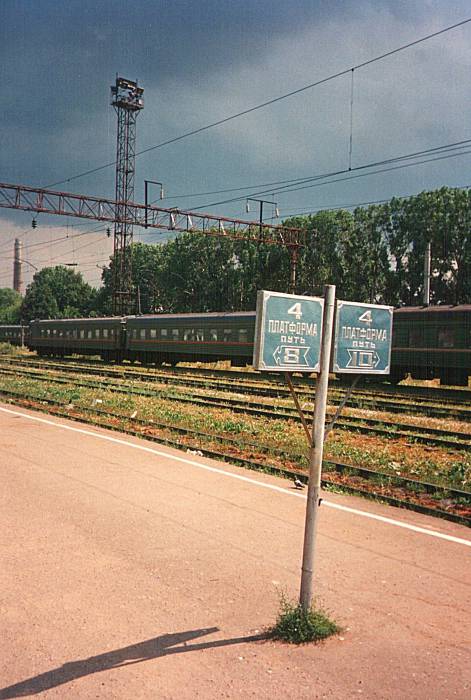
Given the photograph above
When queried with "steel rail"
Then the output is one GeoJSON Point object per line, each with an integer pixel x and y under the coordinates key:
{"type": "Point", "coordinates": [414, 434]}
{"type": "Point", "coordinates": [358, 400]}
{"type": "Point", "coordinates": [379, 494]}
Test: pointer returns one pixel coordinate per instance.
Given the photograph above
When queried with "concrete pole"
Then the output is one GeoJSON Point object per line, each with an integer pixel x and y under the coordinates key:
{"type": "Point", "coordinates": [427, 266]}
{"type": "Point", "coordinates": [17, 281]}
{"type": "Point", "coordinates": [317, 451]}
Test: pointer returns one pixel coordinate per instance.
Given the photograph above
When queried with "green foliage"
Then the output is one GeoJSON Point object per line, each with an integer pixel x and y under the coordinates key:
{"type": "Point", "coordinates": [199, 273]}
{"type": "Point", "coordinates": [375, 254]}
{"type": "Point", "coordinates": [8, 349]}
{"type": "Point", "coordinates": [298, 626]}
{"type": "Point", "coordinates": [57, 292]}
{"type": "Point", "coordinates": [442, 217]}
{"type": "Point", "coordinates": [10, 303]}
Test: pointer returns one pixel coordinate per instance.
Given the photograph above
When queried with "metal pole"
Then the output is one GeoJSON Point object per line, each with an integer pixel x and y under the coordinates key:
{"type": "Point", "coordinates": [317, 450]}
{"type": "Point", "coordinates": [427, 266]}
{"type": "Point", "coordinates": [139, 312]}
{"type": "Point", "coordinates": [293, 269]}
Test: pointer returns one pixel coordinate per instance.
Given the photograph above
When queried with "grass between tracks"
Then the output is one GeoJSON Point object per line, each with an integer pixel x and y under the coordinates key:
{"type": "Point", "coordinates": [392, 456]}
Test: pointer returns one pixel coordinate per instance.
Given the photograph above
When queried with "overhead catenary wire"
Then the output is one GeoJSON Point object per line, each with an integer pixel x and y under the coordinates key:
{"type": "Point", "coordinates": [350, 144]}
{"type": "Point", "coordinates": [323, 178]}
{"type": "Point", "coordinates": [306, 178]}
{"type": "Point", "coordinates": [272, 101]}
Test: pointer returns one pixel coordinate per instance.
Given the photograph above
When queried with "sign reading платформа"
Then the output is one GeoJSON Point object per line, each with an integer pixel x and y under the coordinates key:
{"type": "Point", "coordinates": [288, 332]}
{"type": "Point", "coordinates": [362, 338]}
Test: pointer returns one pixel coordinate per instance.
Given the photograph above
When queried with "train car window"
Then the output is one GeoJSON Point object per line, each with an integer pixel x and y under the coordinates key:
{"type": "Point", "coordinates": [82, 333]}
{"type": "Point", "coordinates": [446, 338]}
{"type": "Point", "coordinates": [97, 332]}
{"type": "Point", "coordinates": [89, 333]}
{"type": "Point", "coordinates": [213, 334]}
{"type": "Point", "coordinates": [163, 333]}
{"type": "Point", "coordinates": [227, 335]}
{"type": "Point", "coordinates": [75, 334]}
{"type": "Point", "coordinates": [415, 337]}
{"type": "Point", "coordinates": [111, 332]}
{"type": "Point", "coordinates": [105, 332]}
{"type": "Point", "coordinates": [189, 334]}
{"type": "Point", "coordinates": [243, 335]}
{"type": "Point", "coordinates": [175, 333]}
{"type": "Point", "coordinates": [153, 332]}
{"type": "Point", "coordinates": [199, 334]}
{"type": "Point", "coordinates": [143, 333]}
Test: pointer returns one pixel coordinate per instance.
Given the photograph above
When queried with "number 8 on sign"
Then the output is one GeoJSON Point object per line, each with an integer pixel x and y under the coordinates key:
{"type": "Point", "coordinates": [291, 356]}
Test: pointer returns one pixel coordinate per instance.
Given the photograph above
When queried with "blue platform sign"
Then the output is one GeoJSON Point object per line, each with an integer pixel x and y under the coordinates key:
{"type": "Point", "coordinates": [287, 332]}
{"type": "Point", "coordinates": [362, 338]}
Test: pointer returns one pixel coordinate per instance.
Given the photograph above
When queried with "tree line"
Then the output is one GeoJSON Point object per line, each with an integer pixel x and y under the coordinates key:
{"type": "Point", "coordinates": [373, 254]}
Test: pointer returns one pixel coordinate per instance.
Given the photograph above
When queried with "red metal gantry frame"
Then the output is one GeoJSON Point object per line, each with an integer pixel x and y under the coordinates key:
{"type": "Point", "coordinates": [101, 209]}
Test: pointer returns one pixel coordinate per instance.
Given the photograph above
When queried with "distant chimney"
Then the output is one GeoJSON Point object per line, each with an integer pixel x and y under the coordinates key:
{"type": "Point", "coordinates": [17, 281]}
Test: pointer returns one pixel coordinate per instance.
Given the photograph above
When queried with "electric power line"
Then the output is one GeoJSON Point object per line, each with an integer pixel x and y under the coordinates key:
{"type": "Point", "coordinates": [306, 178]}
{"type": "Point", "coordinates": [315, 178]}
{"type": "Point", "coordinates": [274, 100]}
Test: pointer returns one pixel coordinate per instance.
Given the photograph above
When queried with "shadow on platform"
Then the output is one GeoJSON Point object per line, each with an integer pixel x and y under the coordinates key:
{"type": "Point", "coordinates": [136, 653]}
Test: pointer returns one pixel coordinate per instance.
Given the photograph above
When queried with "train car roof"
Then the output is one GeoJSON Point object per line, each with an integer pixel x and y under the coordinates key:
{"type": "Point", "coordinates": [108, 319]}
{"type": "Point", "coordinates": [439, 308]}
{"type": "Point", "coordinates": [189, 316]}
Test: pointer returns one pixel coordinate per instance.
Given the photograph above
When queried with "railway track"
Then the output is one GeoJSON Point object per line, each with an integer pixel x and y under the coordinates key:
{"type": "Point", "coordinates": [423, 497]}
{"type": "Point", "coordinates": [440, 394]}
{"type": "Point", "coordinates": [389, 429]}
{"type": "Point", "coordinates": [379, 401]}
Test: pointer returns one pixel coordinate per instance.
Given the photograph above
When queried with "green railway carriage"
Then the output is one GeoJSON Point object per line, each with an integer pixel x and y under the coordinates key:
{"type": "Point", "coordinates": [81, 336]}
{"type": "Point", "coordinates": [15, 335]}
{"type": "Point", "coordinates": [428, 342]}
{"type": "Point", "coordinates": [432, 342]}
{"type": "Point", "coordinates": [205, 337]}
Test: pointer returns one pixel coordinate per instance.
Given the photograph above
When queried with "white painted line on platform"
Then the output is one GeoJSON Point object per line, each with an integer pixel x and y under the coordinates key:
{"type": "Point", "coordinates": [240, 477]}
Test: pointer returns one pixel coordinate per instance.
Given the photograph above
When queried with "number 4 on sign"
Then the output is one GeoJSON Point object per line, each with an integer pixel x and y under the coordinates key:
{"type": "Point", "coordinates": [296, 310]}
{"type": "Point", "coordinates": [366, 317]}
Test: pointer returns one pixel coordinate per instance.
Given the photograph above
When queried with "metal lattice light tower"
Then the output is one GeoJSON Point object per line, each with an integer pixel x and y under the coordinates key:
{"type": "Point", "coordinates": [127, 99]}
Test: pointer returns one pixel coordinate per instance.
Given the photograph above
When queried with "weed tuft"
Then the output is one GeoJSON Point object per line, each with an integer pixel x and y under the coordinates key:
{"type": "Point", "coordinates": [298, 626]}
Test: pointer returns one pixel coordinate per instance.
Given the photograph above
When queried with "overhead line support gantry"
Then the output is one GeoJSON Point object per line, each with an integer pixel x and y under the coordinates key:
{"type": "Point", "coordinates": [45, 201]}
